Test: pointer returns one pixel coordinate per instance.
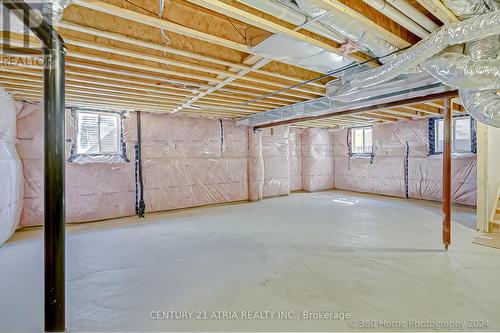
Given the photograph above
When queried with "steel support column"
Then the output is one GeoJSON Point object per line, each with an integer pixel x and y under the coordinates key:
{"type": "Point", "coordinates": [54, 146]}
{"type": "Point", "coordinates": [448, 112]}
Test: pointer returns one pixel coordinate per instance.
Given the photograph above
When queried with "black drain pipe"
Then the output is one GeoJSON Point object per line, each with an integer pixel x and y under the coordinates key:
{"type": "Point", "coordinates": [54, 134]}
{"type": "Point", "coordinates": [140, 206]}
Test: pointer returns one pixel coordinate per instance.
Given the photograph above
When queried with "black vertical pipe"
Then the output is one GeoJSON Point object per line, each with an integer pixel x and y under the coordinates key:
{"type": "Point", "coordinates": [448, 114]}
{"type": "Point", "coordinates": [54, 132]}
{"type": "Point", "coordinates": [54, 145]}
{"type": "Point", "coordinates": [141, 206]}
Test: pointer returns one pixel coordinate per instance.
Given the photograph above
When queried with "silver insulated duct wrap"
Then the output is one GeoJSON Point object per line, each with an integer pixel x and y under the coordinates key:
{"type": "Point", "coordinates": [349, 28]}
{"type": "Point", "coordinates": [476, 74]}
{"type": "Point", "coordinates": [466, 8]}
{"type": "Point", "coordinates": [55, 8]}
{"type": "Point", "coordinates": [51, 10]}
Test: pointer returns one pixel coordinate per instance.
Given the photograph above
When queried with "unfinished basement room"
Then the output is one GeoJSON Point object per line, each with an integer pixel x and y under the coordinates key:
{"type": "Point", "coordinates": [249, 165]}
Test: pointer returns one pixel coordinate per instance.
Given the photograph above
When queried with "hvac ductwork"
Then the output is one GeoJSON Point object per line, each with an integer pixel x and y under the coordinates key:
{"type": "Point", "coordinates": [51, 10]}
{"type": "Point", "coordinates": [349, 28]}
{"type": "Point", "coordinates": [476, 74]}
{"type": "Point", "coordinates": [467, 8]}
{"type": "Point", "coordinates": [55, 8]}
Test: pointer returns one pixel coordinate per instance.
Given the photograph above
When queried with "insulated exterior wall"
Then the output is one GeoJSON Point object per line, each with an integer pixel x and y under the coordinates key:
{"type": "Point", "coordinates": [276, 156]}
{"type": "Point", "coordinates": [317, 160]}
{"type": "Point", "coordinates": [192, 162]}
{"type": "Point", "coordinates": [385, 173]}
{"type": "Point", "coordinates": [11, 185]}
{"type": "Point", "coordinates": [295, 159]}
{"type": "Point", "coordinates": [93, 191]}
{"type": "Point", "coordinates": [255, 166]}
{"type": "Point", "coordinates": [185, 164]}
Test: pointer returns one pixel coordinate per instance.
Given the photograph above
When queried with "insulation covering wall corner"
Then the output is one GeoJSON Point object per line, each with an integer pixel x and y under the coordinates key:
{"type": "Point", "coordinates": [11, 186]}
{"type": "Point", "coordinates": [317, 160]}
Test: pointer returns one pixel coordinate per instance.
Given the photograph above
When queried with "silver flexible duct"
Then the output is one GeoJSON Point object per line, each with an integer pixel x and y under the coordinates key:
{"type": "Point", "coordinates": [55, 8]}
{"type": "Point", "coordinates": [463, 72]}
{"type": "Point", "coordinates": [452, 34]}
{"type": "Point", "coordinates": [482, 64]}
{"type": "Point", "coordinates": [464, 9]}
{"type": "Point", "coordinates": [476, 74]}
{"type": "Point", "coordinates": [351, 29]}
{"type": "Point", "coordinates": [50, 9]}
{"type": "Point", "coordinates": [484, 104]}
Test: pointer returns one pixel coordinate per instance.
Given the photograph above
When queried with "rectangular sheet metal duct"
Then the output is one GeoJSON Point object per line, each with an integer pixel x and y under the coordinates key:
{"type": "Point", "coordinates": [324, 105]}
{"type": "Point", "coordinates": [298, 53]}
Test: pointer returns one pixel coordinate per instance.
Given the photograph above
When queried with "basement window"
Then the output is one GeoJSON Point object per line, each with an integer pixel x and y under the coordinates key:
{"type": "Point", "coordinates": [98, 136]}
{"type": "Point", "coordinates": [463, 135]}
{"type": "Point", "coordinates": [360, 141]}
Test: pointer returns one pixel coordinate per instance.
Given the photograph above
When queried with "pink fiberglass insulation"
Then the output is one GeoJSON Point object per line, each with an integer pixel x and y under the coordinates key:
{"type": "Point", "coordinates": [255, 166]}
{"type": "Point", "coordinates": [295, 159]}
{"type": "Point", "coordinates": [94, 191]}
{"type": "Point", "coordinates": [191, 162]}
{"type": "Point", "coordinates": [185, 164]}
{"type": "Point", "coordinates": [276, 156]}
{"type": "Point", "coordinates": [425, 174]}
{"type": "Point", "coordinates": [11, 186]}
{"type": "Point", "coordinates": [317, 160]}
{"type": "Point", "coordinates": [385, 172]}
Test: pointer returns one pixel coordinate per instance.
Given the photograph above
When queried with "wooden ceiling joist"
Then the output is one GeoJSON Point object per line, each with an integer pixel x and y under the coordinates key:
{"type": "Point", "coordinates": [117, 59]}
{"type": "Point", "coordinates": [436, 8]}
{"type": "Point", "coordinates": [167, 49]}
{"type": "Point", "coordinates": [156, 22]}
{"type": "Point", "coordinates": [244, 16]}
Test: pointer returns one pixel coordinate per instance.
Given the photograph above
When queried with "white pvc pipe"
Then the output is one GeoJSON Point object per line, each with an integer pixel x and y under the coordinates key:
{"type": "Point", "coordinates": [414, 14]}
{"type": "Point", "coordinates": [394, 14]}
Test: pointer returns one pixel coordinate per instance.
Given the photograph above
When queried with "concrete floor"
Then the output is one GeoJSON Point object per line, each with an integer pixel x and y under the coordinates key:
{"type": "Point", "coordinates": [375, 257]}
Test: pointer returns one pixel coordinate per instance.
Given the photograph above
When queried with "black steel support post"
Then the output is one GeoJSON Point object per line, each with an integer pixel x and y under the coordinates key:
{"type": "Point", "coordinates": [447, 149]}
{"type": "Point", "coordinates": [54, 145]}
{"type": "Point", "coordinates": [54, 130]}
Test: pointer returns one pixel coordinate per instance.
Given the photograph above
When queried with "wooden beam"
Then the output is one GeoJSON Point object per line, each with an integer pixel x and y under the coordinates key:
{"type": "Point", "coordinates": [164, 48]}
{"type": "Point", "coordinates": [145, 87]}
{"type": "Point", "coordinates": [156, 22]}
{"type": "Point", "coordinates": [97, 66]}
{"type": "Point", "coordinates": [436, 8]}
{"type": "Point", "coordinates": [381, 116]}
{"type": "Point", "coordinates": [162, 60]}
{"type": "Point", "coordinates": [404, 111]}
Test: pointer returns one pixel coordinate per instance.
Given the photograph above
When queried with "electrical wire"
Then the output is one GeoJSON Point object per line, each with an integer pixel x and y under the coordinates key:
{"type": "Point", "coordinates": [235, 28]}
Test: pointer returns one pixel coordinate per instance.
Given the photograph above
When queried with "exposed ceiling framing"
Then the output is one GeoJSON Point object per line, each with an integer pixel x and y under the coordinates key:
{"type": "Point", "coordinates": [118, 59]}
